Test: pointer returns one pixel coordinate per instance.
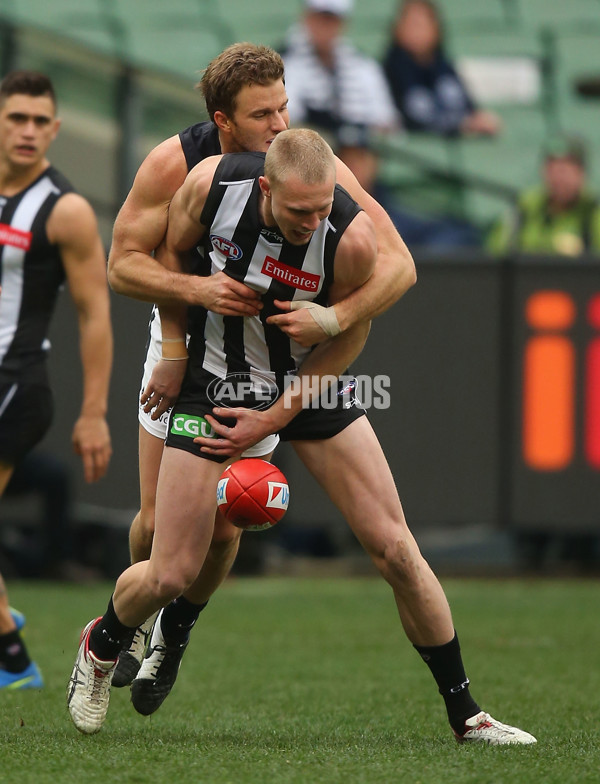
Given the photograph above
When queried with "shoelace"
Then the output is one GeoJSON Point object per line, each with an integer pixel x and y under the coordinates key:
{"type": "Point", "coordinates": [139, 640]}
{"type": "Point", "coordinates": [161, 650]}
{"type": "Point", "coordinates": [99, 685]}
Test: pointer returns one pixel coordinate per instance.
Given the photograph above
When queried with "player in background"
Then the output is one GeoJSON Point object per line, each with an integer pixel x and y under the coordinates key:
{"type": "Point", "coordinates": [48, 234]}
{"type": "Point", "coordinates": [245, 97]}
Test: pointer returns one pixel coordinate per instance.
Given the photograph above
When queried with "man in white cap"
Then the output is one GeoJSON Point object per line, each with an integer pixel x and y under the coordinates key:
{"type": "Point", "coordinates": [334, 88]}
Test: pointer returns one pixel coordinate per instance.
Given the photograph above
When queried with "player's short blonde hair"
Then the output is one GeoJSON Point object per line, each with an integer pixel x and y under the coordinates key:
{"type": "Point", "coordinates": [300, 152]}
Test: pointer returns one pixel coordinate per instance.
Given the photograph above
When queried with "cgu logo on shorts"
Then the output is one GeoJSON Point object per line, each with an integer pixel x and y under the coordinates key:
{"type": "Point", "coordinates": [228, 248]}
{"type": "Point", "coordinates": [191, 426]}
{"type": "Point", "coordinates": [279, 495]}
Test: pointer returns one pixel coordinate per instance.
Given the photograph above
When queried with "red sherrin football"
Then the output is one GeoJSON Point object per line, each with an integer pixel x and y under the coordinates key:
{"type": "Point", "coordinates": [253, 494]}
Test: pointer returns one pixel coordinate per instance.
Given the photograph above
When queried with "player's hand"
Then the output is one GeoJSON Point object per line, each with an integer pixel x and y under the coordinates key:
{"type": "Point", "coordinates": [162, 389]}
{"type": "Point", "coordinates": [250, 427]}
{"type": "Point", "coordinates": [226, 296]}
{"type": "Point", "coordinates": [298, 325]}
{"type": "Point", "coordinates": [91, 441]}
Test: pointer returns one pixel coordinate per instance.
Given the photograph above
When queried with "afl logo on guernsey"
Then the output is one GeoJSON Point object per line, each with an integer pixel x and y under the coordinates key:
{"type": "Point", "coordinates": [228, 248]}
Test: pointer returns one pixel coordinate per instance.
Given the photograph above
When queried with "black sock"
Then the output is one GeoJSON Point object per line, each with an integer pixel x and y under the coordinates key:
{"type": "Point", "coordinates": [13, 653]}
{"type": "Point", "coordinates": [178, 619]}
{"type": "Point", "coordinates": [109, 635]}
{"type": "Point", "coordinates": [445, 663]}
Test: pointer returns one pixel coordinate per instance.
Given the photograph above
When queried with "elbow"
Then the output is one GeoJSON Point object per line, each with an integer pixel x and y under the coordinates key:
{"type": "Point", "coordinates": [115, 280]}
{"type": "Point", "coordinates": [409, 276]}
{"type": "Point", "coordinates": [412, 276]}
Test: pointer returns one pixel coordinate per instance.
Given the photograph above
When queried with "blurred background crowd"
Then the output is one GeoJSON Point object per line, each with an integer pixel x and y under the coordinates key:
{"type": "Point", "coordinates": [474, 123]}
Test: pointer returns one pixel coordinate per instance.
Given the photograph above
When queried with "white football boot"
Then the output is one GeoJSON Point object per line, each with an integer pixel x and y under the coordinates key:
{"type": "Point", "coordinates": [482, 728]}
{"type": "Point", "coordinates": [88, 692]}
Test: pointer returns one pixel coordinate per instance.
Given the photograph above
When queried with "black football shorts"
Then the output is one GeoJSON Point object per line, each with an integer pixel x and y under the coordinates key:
{"type": "Point", "coordinates": [339, 409]}
{"type": "Point", "coordinates": [26, 410]}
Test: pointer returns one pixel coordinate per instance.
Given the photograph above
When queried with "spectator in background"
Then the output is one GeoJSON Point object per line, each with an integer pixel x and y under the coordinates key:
{"type": "Point", "coordinates": [559, 215]}
{"type": "Point", "coordinates": [430, 97]}
{"type": "Point", "coordinates": [427, 90]}
{"type": "Point", "coordinates": [335, 89]}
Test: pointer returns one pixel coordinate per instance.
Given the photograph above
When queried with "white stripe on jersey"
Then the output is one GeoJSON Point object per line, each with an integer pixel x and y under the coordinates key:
{"type": "Point", "coordinates": [9, 396]}
{"type": "Point", "coordinates": [230, 209]}
{"type": "Point", "coordinates": [13, 261]}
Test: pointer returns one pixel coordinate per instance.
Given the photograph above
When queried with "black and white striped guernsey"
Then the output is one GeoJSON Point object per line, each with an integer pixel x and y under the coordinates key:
{"type": "Point", "coordinates": [198, 142]}
{"type": "Point", "coordinates": [238, 243]}
{"type": "Point", "coordinates": [31, 273]}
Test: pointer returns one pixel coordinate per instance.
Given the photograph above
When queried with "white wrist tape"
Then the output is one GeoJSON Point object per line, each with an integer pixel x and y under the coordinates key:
{"type": "Point", "coordinates": [325, 317]}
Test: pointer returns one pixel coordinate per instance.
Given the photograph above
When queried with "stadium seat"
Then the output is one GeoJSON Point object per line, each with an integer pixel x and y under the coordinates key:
{"type": "Point", "coordinates": [474, 14]}
{"type": "Point", "coordinates": [83, 21]}
{"type": "Point", "coordinates": [259, 21]}
{"type": "Point", "coordinates": [558, 14]}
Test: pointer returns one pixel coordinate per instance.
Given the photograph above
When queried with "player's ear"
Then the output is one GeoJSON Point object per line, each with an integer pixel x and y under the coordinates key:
{"type": "Point", "coordinates": [56, 127]}
{"type": "Point", "coordinates": [265, 186]}
{"type": "Point", "coordinates": [221, 121]}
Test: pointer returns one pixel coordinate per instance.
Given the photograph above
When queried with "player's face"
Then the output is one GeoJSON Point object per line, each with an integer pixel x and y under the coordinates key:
{"type": "Point", "coordinates": [261, 113]}
{"type": "Point", "coordinates": [298, 208]}
{"type": "Point", "coordinates": [28, 126]}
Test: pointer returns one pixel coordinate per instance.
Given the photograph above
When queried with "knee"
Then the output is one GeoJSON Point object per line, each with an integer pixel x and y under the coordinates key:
{"type": "Point", "coordinates": [146, 520]}
{"type": "Point", "coordinates": [169, 584]}
{"type": "Point", "coordinates": [141, 535]}
{"type": "Point", "coordinates": [225, 536]}
{"type": "Point", "coordinates": [400, 562]}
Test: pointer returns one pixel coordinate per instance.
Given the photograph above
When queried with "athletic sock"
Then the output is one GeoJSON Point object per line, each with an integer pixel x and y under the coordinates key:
{"type": "Point", "coordinates": [445, 663]}
{"type": "Point", "coordinates": [13, 653]}
{"type": "Point", "coordinates": [109, 635]}
{"type": "Point", "coordinates": [178, 619]}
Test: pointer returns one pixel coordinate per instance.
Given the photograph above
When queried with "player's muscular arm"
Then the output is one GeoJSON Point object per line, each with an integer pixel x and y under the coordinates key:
{"type": "Point", "coordinates": [393, 275]}
{"type": "Point", "coordinates": [140, 228]}
{"type": "Point", "coordinates": [72, 226]}
{"type": "Point", "coordinates": [355, 262]}
{"type": "Point", "coordinates": [224, 295]}
{"type": "Point", "coordinates": [184, 230]}
{"type": "Point", "coordinates": [394, 271]}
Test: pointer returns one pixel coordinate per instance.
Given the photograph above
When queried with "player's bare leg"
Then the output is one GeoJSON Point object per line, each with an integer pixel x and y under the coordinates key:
{"type": "Point", "coordinates": [173, 626]}
{"type": "Point", "coordinates": [353, 470]}
{"type": "Point", "coordinates": [181, 539]}
{"type": "Point", "coordinates": [142, 528]}
{"type": "Point", "coordinates": [217, 565]}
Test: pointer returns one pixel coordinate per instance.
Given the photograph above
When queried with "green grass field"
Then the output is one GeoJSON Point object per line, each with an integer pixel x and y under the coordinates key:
{"type": "Point", "coordinates": [312, 680]}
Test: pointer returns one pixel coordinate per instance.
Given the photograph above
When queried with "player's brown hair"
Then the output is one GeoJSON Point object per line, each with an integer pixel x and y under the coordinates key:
{"type": "Point", "coordinates": [238, 65]}
{"type": "Point", "coordinates": [31, 83]}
